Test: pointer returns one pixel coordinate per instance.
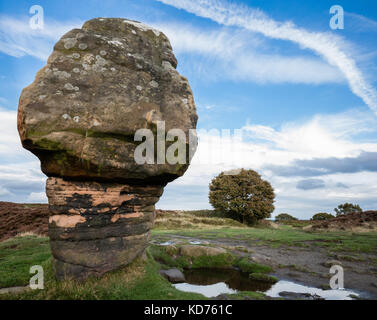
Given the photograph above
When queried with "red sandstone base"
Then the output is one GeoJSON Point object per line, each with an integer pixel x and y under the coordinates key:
{"type": "Point", "coordinates": [98, 227]}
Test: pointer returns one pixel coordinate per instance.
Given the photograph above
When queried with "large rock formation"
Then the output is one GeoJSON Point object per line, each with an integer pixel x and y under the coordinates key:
{"type": "Point", "coordinates": [101, 84]}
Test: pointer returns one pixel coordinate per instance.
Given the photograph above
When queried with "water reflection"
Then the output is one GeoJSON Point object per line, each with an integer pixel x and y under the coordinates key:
{"type": "Point", "coordinates": [290, 286]}
{"type": "Point", "coordinates": [213, 282]}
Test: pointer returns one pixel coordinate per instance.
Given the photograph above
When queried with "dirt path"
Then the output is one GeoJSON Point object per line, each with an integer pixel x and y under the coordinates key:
{"type": "Point", "coordinates": [309, 266]}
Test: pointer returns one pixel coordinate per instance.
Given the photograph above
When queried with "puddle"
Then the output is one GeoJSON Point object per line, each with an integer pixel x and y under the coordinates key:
{"type": "Point", "coordinates": [208, 291]}
{"type": "Point", "coordinates": [213, 282]}
{"type": "Point", "coordinates": [166, 243]}
{"type": "Point", "coordinates": [195, 242]}
{"type": "Point", "coordinates": [290, 286]}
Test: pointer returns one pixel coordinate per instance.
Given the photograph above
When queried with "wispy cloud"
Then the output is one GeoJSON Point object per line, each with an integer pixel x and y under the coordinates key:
{"type": "Point", "coordinates": [17, 39]}
{"type": "Point", "coordinates": [325, 44]}
{"type": "Point", "coordinates": [361, 23]}
{"type": "Point", "coordinates": [218, 49]}
{"type": "Point", "coordinates": [239, 56]}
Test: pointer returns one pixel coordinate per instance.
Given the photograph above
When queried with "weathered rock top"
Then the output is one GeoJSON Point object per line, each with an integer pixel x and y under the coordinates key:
{"type": "Point", "coordinates": [101, 84]}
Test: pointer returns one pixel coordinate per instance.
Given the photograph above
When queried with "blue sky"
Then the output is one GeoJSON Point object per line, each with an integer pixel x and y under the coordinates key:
{"type": "Point", "coordinates": [303, 94]}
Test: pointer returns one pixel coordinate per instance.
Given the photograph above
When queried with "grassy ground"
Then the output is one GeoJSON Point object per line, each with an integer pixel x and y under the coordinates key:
{"type": "Point", "coordinates": [140, 280]}
{"type": "Point", "coordinates": [284, 235]}
{"type": "Point", "coordinates": [16, 257]}
{"type": "Point", "coordinates": [207, 224]}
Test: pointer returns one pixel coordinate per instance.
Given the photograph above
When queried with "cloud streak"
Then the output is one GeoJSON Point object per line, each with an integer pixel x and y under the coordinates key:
{"type": "Point", "coordinates": [17, 39]}
{"type": "Point", "coordinates": [310, 184]}
{"type": "Point", "coordinates": [238, 56]}
{"type": "Point", "coordinates": [366, 161]}
{"type": "Point", "coordinates": [325, 44]}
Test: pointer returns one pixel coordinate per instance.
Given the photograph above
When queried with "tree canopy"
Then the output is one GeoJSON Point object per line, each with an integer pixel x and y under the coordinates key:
{"type": "Point", "coordinates": [244, 196]}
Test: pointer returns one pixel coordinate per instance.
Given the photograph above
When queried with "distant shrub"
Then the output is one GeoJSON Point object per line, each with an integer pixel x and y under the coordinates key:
{"type": "Point", "coordinates": [285, 217]}
{"type": "Point", "coordinates": [322, 216]}
{"type": "Point", "coordinates": [347, 208]}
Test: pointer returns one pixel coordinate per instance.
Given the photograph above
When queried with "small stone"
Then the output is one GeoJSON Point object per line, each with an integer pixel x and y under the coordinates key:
{"type": "Point", "coordinates": [173, 275]}
{"type": "Point", "coordinates": [14, 290]}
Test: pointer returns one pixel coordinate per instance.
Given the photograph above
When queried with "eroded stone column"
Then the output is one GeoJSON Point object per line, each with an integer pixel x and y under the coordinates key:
{"type": "Point", "coordinates": [96, 227]}
{"type": "Point", "coordinates": [102, 83]}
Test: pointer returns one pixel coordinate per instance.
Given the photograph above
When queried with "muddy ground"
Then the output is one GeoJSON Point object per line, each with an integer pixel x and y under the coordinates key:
{"type": "Point", "coordinates": [308, 266]}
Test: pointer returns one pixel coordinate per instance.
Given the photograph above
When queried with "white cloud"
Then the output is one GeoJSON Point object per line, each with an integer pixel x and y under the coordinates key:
{"type": "Point", "coordinates": [4, 192]}
{"type": "Point", "coordinates": [322, 136]}
{"type": "Point", "coordinates": [20, 172]}
{"type": "Point", "coordinates": [238, 56]}
{"type": "Point", "coordinates": [10, 145]}
{"type": "Point", "coordinates": [37, 197]}
{"type": "Point", "coordinates": [18, 39]}
{"type": "Point", "coordinates": [332, 48]}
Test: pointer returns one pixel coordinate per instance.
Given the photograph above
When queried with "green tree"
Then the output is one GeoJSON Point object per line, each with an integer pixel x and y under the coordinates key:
{"type": "Point", "coordinates": [322, 216]}
{"type": "Point", "coordinates": [285, 217]}
{"type": "Point", "coordinates": [245, 196]}
{"type": "Point", "coordinates": [347, 208]}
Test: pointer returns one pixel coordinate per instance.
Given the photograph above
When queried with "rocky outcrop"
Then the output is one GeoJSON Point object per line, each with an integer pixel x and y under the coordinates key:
{"type": "Point", "coordinates": [101, 84]}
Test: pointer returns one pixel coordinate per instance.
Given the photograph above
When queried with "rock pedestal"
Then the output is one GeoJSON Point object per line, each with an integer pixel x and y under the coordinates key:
{"type": "Point", "coordinates": [97, 227]}
{"type": "Point", "coordinates": [102, 83]}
